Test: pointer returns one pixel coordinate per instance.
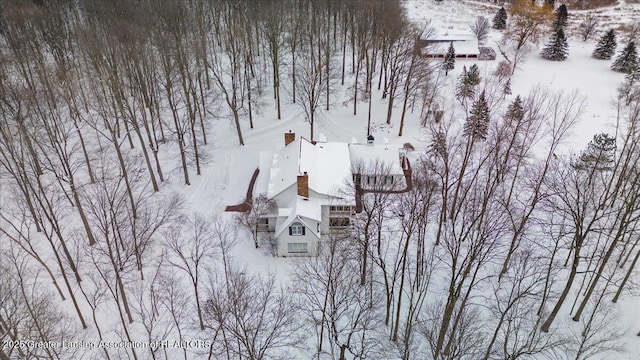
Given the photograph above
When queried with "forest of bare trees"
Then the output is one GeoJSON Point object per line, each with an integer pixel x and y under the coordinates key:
{"type": "Point", "coordinates": [503, 248]}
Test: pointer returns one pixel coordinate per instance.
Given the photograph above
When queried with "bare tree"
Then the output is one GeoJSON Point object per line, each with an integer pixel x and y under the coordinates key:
{"type": "Point", "coordinates": [396, 62]}
{"type": "Point", "coordinates": [273, 26]}
{"type": "Point", "coordinates": [28, 314]}
{"type": "Point", "coordinates": [527, 22]}
{"type": "Point", "coordinates": [588, 26]}
{"type": "Point", "coordinates": [579, 195]}
{"type": "Point", "coordinates": [622, 223]}
{"type": "Point", "coordinates": [343, 311]}
{"type": "Point", "coordinates": [526, 26]}
{"type": "Point", "coordinates": [191, 246]}
{"type": "Point", "coordinates": [599, 334]}
{"type": "Point", "coordinates": [261, 206]}
{"type": "Point", "coordinates": [309, 86]}
{"type": "Point", "coordinates": [18, 231]}
{"type": "Point", "coordinates": [525, 122]}
{"type": "Point", "coordinates": [516, 332]}
{"type": "Point", "coordinates": [227, 64]}
{"type": "Point", "coordinates": [249, 315]}
{"type": "Point", "coordinates": [481, 28]}
{"type": "Point", "coordinates": [173, 300]}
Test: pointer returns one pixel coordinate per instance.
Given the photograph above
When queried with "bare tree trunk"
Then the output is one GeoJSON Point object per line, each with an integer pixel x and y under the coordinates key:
{"type": "Point", "coordinates": [572, 274]}
{"type": "Point", "coordinates": [125, 174]}
{"type": "Point", "coordinates": [626, 278]}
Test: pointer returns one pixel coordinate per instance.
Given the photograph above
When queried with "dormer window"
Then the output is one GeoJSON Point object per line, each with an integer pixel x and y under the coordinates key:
{"type": "Point", "coordinates": [296, 229]}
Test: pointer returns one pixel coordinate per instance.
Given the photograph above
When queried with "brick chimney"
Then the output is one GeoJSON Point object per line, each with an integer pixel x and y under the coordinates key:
{"type": "Point", "coordinates": [303, 185]}
{"type": "Point", "coordinates": [289, 137]}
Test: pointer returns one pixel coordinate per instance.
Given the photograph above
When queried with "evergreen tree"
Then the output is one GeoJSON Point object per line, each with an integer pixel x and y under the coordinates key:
{"type": "Point", "coordinates": [515, 111]}
{"type": "Point", "coordinates": [606, 46]}
{"type": "Point", "coordinates": [557, 49]}
{"type": "Point", "coordinates": [507, 87]}
{"type": "Point", "coordinates": [500, 20]}
{"type": "Point", "coordinates": [465, 89]}
{"type": "Point", "coordinates": [630, 89]}
{"type": "Point", "coordinates": [634, 76]}
{"type": "Point", "coordinates": [477, 124]}
{"type": "Point", "coordinates": [561, 17]}
{"type": "Point", "coordinates": [449, 59]}
{"type": "Point", "coordinates": [439, 144]}
{"type": "Point", "coordinates": [474, 75]}
{"type": "Point", "coordinates": [467, 82]}
{"type": "Point", "coordinates": [627, 61]}
{"type": "Point", "coordinates": [599, 154]}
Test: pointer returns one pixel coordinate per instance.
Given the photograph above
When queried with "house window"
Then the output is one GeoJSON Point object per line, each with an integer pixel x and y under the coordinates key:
{"type": "Point", "coordinates": [297, 248]}
{"type": "Point", "coordinates": [357, 178]}
{"type": "Point", "coordinates": [339, 222]}
{"type": "Point", "coordinates": [296, 229]}
{"type": "Point", "coordinates": [340, 208]}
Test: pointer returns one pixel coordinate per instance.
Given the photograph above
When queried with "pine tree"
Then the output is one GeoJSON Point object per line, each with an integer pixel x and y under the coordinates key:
{"type": "Point", "coordinates": [599, 154]}
{"type": "Point", "coordinates": [630, 89]}
{"type": "Point", "coordinates": [561, 17]}
{"type": "Point", "coordinates": [465, 89]}
{"type": "Point", "coordinates": [557, 49]}
{"type": "Point", "coordinates": [515, 111]}
{"type": "Point", "coordinates": [633, 77]}
{"type": "Point", "coordinates": [439, 144]}
{"type": "Point", "coordinates": [474, 75]}
{"type": "Point", "coordinates": [500, 20]}
{"type": "Point", "coordinates": [606, 46]}
{"type": "Point", "coordinates": [477, 124]}
{"type": "Point", "coordinates": [467, 82]}
{"type": "Point", "coordinates": [449, 59]}
{"type": "Point", "coordinates": [627, 61]}
{"type": "Point", "coordinates": [507, 87]}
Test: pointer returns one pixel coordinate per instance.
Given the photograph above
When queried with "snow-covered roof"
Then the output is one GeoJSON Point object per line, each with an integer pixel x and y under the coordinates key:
{"type": "Point", "coordinates": [463, 47]}
{"type": "Point", "coordinates": [464, 43]}
{"type": "Point", "coordinates": [283, 169]}
{"type": "Point", "coordinates": [283, 223]}
{"type": "Point", "coordinates": [262, 182]}
{"type": "Point", "coordinates": [452, 35]}
{"type": "Point", "coordinates": [376, 154]}
{"type": "Point", "coordinates": [326, 163]}
{"type": "Point", "coordinates": [309, 207]}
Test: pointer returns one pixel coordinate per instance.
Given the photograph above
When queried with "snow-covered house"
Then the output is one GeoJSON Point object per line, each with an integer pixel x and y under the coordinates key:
{"type": "Point", "coordinates": [377, 166]}
{"type": "Point", "coordinates": [312, 185]}
{"type": "Point", "coordinates": [464, 43]}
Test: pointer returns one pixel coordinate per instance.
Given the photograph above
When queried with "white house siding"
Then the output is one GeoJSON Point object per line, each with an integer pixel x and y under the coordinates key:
{"type": "Point", "coordinates": [310, 238]}
{"type": "Point", "coordinates": [272, 223]}
{"type": "Point", "coordinates": [286, 196]}
{"type": "Point", "coordinates": [324, 226]}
